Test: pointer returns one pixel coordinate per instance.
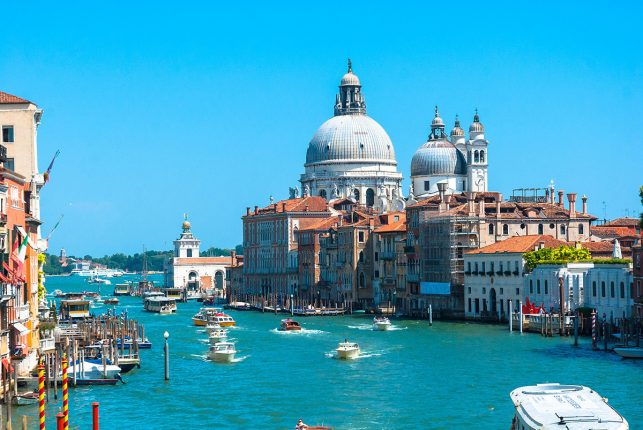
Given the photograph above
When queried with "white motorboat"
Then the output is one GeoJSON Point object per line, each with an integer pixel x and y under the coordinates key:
{"type": "Point", "coordinates": [629, 351]}
{"type": "Point", "coordinates": [348, 350]}
{"type": "Point", "coordinates": [381, 323]}
{"type": "Point", "coordinates": [222, 352]}
{"type": "Point", "coordinates": [93, 370]}
{"type": "Point", "coordinates": [555, 406]}
{"type": "Point", "coordinates": [218, 335]}
{"type": "Point", "coordinates": [161, 305]}
{"type": "Point", "coordinates": [212, 326]}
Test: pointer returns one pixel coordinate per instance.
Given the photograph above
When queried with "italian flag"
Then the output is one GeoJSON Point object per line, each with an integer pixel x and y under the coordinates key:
{"type": "Point", "coordinates": [22, 251]}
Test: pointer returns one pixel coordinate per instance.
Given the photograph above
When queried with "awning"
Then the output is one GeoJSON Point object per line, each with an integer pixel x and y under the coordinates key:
{"type": "Point", "coordinates": [20, 328]}
{"type": "Point", "coordinates": [7, 365]}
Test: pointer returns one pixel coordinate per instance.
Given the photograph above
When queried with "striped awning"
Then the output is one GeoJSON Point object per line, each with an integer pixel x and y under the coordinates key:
{"type": "Point", "coordinates": [20, 328]}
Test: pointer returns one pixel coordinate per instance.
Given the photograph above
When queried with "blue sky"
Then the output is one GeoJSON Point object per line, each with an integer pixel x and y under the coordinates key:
{"type": "Point", "coordinates": [161, 108]}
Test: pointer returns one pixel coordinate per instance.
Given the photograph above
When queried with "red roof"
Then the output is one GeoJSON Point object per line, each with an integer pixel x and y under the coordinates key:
{"type": "Point", "coordinates": [300, 204]}
{"type": "Point", "coordinates": [605, 231]}
{"type": "Point", "coordinates": [322, 224]}
{"type": "Point", "coordinates": [6, 98]}
{"type": "Point", "coordinates": [604, 247]}
{"type": "Point", "coordinates": [623, 222]}
{"type": "Point", "coordinates": [391, 225]}
{"type": "Point", "coordinates": [520, 244]}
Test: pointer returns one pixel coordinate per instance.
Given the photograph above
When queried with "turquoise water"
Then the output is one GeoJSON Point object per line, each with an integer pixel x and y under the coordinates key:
{"type": "Point", "coordinates": [448, 376]}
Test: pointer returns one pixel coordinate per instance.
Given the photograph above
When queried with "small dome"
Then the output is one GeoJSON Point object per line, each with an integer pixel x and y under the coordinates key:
{"type": "Point", "coordinates": [437, 120]}
{"type": "Point", "coordinates": [476, 126]}
{"type": "Point", "coordinates": [186, 225]}
{"type": "Point", "coordinates": [438, 157]}
{"type": "Point", "coordinates": [350, 138]}
{"type": "Point", "coordinates": [350, 79]}
{"type": "Point", "coordinates": [457, 131]}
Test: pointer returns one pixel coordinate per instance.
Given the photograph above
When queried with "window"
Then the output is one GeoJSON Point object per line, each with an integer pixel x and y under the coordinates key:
{"type": "Point", "coordinates": [483, 269]}
{"type": "Point", "coordinates": [612, 289]}
{"type": "Point", "coordinates": [377, 273]}
{"type": "Point", "coordinates": [477, 305]}
{"type": "Point", "coordinates": [469, 304]}
{"type": "Point", "coordinates": [360, 236]}
{"type": "Point", "coordinates": [189, 253]}
{"type": "Point", "coordinates": [370, 197]}
{"type": "Point", "coordinates": [484, 290]}
{"type": "Point", "coordinates": [546, 288]}
{"type": "Point", "coordinates": [464, 185]}
{"type": "Point", "coordinates": [594, 288]}
{"type": "Point", "coordinates": [562, 229]}
{"type": "Point", "coordinates": [376, 256]}
{"type": "Point", "coordinates": [531, 286]}
{"type": "Point", "coordinates": [505, 229]}
{"type": "Point", "coordinates": [476, 156]}
{"type": "Point", "coordinates": [482, 156]}
{"type": "Point", "coordinates": [517, 291]}
{"type": "Point", "coordinates": [469, 268]}
{"type": "Point", "coordinates": [356, 194]}
{"type": "Point", "coordinates": [541, 230]}
{"type": "Point", "coordinates": [361, 256]}
{"type": "Point", "coordinates": [476, 267]}
{"type": "Point", "coordinates": [9, 164]}
{"type": "Point", "coordinates": [602, 289]}
{"type": "Point", "coordinates": [469, 291]}
{"type": "Point", "coordinates": [361, 280]}
{"type": "Point", "coordinates": [322, 193]}
{"type": "Point", "coordinates": [7, 133]}
{"type": "Point", "coordinates": [581, 229]}
{"type": "Point", "coordinates": [538, 286]}
{"type": "Point", "coordinates": [501, 291]}
{"type": "Point", "coordinates": [490, 228]}
{"type": "Point", "coordinates": [622, 290]}
{"type": "Point", "coordinates": [427, 185]}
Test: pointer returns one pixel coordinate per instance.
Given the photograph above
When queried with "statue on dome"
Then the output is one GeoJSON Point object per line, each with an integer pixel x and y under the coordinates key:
{"type": "Point", "coordinates": [293, 192]}
{"type": "Point", "coordinates": [335, 193]}
{"type": "Point", "coordinates": [306, 190]}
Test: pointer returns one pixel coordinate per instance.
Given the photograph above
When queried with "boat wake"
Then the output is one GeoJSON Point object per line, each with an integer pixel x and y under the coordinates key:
{"type": "Point", "coordinates": [395, 328]}
{"type": "Point", "coordinates": [301, 332]}
{"type": "Point", "coordinates": [362, 327]}
{"type": "Point", "coordinates": [240, 359]}
{"type": "Point", "coordinates": [365, 354]}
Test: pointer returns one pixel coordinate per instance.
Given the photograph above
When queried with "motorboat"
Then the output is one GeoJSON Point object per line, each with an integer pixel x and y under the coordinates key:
{"type": "Point", "coordinates": [555, 406]}
{"type": "Point", "coordinates": [222, 352]}
{"type": "Point", "coordinates": [381, 323]}
{"type": "Point", "coordinates": [111, 301]}
{"type": "Point", "coordinates": [218, 335]}
{"type": "Point", "coordinates": [28, 398]}
{"type": "Point", "coordinates": [224, 320]}
{"type": "Point", "coordinates": [122, 290]}
{"type": "Point", "coordinates": [58, 294]}
{"type": "Point", "coordinates": [212, 315]}
{"type": "Point", "coordinates": [161, 305]}
{"type": "Point", "coordinates": [629, 351]}
{"type": "Point", "coordinates": [348, 350]}
{"type": "Point", "coordinates": [127, 363]}
{"type": "Point", "coordinates": [289, 325]}
{"type": "Point", "coordinates": [238, 306]}
{"type": "Point", "coordinates": [94, 369]}
{"type": "Point", "coordinates": [141, 343]}
{"type": "Point", "coordinates": [212, 326]}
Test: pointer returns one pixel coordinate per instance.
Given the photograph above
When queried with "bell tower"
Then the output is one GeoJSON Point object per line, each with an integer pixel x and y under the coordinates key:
{"type": "Point", "coordinates": [477, 157]}
{"type": "Point", "coordinates": [186, 246]}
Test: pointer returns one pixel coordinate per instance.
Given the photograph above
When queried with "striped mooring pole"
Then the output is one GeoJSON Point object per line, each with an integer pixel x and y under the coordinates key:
{"type": "Point", "coordinates": [41, 395]}
{"type": "Point", "coordinates": [594, 329]}
{"type": "Point", "coordinates": [65, 396]}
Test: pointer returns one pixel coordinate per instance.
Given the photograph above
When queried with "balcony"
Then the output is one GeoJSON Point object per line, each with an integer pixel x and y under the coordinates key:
{"type": "Point", "coordinates": [490, 273]}
{"type": "Point", "coordinates": [468, 273]}
{"type": "Point", "coordinates": [48, 344]}
{"type": "Point", "coordinates": [507, 272]}
{"type": "Point", "coordinates": [516, 273]}
{"type": "Point", "coordinates": [22, 312]}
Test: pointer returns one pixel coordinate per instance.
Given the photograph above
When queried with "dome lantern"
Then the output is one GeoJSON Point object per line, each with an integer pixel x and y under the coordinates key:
{"type": "Point", "coordinates": [350, 100]}
{"type": "Point", "coordinates": [476, 126]}
{"type": "Point", "coordinates": [457, 131]}
{"type": "Point", "coordinates": [437, 127]}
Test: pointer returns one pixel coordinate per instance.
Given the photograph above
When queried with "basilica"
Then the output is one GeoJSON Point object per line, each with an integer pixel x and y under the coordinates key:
{"type": "Point", "coordinates": [352, 157]}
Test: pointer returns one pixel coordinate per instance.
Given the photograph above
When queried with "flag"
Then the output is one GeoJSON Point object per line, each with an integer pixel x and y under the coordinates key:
{"type": "Point", "coordinates": [22, 251]}
{"type": "Point", "coordinates": [51, 165]}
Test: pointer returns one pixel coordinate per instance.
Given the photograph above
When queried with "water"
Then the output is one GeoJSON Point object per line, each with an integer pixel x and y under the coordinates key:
{"type": "Point", "coordinates": [451, 375]}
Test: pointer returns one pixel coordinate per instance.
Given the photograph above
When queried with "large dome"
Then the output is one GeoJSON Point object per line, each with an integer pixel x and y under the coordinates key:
{"type": "Point", "coordinates": [349, 138]}
{"type": "Point", "coordinates": [438, 157]}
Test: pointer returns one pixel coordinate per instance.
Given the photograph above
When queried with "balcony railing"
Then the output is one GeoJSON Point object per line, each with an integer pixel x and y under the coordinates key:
{"type": "Point", "coordinates": [48, 344]}
{"type": "Point", "coordinates": [22, 312]}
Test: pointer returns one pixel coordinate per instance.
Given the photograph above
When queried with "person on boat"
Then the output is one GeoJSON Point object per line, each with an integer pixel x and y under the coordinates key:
{"type": "Point", "coordinates": [300, 425]}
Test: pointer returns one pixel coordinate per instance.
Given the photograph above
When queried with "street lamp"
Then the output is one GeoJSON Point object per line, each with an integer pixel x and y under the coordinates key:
{"type": "Point", "coordinates": [166, 335]}
{"type": "Point", "coordinates": [292, 306]}
{"type": "Point", "coordinates": [394, 301]}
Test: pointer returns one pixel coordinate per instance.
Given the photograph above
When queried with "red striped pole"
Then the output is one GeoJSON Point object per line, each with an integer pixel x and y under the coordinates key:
{"type": "Point", "coordinates": [60, 421]}
{"type": "Point", "coordinates": [95, 415]}
{"type": "Point", "coordinates": [593, 329]}
{"type": "Point", "coordinates": [41, 395]}
{"type": "Point", "coordinates": [65, 397]}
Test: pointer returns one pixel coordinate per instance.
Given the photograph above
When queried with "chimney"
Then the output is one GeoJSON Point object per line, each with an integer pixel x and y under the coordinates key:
{"type": "Point", "coordinates": [584, 204]}
{"type": "Point", "coordinates": [283, 206]}
{"type": "Point", "coordinates": [256, 210]}
{"type": "Point", "coordinates": [233, 257]}
{"type": "Point", "coordinates": [470, 203]}
{"type": "Point", "coordinates": [442, 188]}
{"type": "Point", "coordinates": [498, 203]}
{"type": "Point", "coordinates": [248, 211]}
{"type": "Point", "coordinates": [571, 197]}
{"type": "Point", "coordinates": [371, 222]}
{"type": "Point", "coordinates": [552, 198]}
{"type": "Point", "coordinates": [274, 207]}
{"type": "Point", "coordinates": [306, 208]}
{"type": "Point", "coordinates": [541, 244]}
{"type": "Point", "coordinates": [560, 198]}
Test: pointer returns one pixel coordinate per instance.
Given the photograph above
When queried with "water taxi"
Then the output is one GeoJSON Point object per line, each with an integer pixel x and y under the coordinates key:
{"type": "Point", "coordinates": [212, 315]}
{"type": "Point", "coordinates": [289, 325]}
{"type": "Point", "coordinates": [224, 320]}
{"type": "Point", "coordinates": [348, 350]}
{"type": "Point", "coordinates": [122, 290]}
{"type": "Point", "coordinates": [629, 351]}
{"type": "Point", "coordinates": [161, 305]}
{"type": "Point", "coordinates": [222, 352]}
{"type": "Point", "coordinates": [174, 293]}
{"type": "Point", "coordinates": [381, 323]}
{"type": "Point", "coordinates": [218, 335]}
{"type": "Point", "coordinates": [556, 406]}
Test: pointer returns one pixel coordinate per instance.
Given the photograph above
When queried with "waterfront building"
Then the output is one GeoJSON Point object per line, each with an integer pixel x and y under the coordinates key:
{"type": "Point", "coordinates": [493, 276]}
{"type": "Point", "coordinates": [270, 269]}
{"type": "Point", "coordinates": [389, 273]}
{"type": "Point", "coordinates": [626, 231]}
{"type": "Point", "coordinates": [461, 165]}
{"type": "Point", "coordinates": [234, 279]}
{"type": "Point", "coordinates": [352, 156]}
{"type": "Point", "coordinates": [637, 284]}
{"type": "Point", "coordinates": [189, 271]}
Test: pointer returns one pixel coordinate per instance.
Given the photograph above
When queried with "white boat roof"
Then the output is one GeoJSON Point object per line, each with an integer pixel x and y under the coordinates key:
{"type": "Point", "coordinates": [548, 406]}
{"type": "Point", "coordinates": [161, 299]}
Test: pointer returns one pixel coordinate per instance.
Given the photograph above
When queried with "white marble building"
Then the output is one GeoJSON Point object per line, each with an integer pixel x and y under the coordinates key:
{"type": "Point", "coordinates": [352, 156]}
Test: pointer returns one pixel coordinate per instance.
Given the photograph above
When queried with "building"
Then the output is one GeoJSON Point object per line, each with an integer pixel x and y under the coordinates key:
{"type": "Point", "coordinates": [352, 156]}
{"type": "Point", "coordinates": [271, 266]}
{"type": "Point", "coordinates": [188, 270]}
{"type": "Point", "coordinates": [627, 231]}
{"type": "Point", "coordinates": [389, 273]}
{"type": "Point", "coordinates": [637, 284]}
{"type": "Point", "coordinates": [493, 276]}
{"type": "Point", "coordinates": [234, 279]}
{"type": "Point", "coordinates": [461, 165]}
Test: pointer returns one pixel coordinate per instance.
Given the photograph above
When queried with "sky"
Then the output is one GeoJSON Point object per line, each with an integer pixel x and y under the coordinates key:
{"type": "Point", "coordinates": [205, 108]}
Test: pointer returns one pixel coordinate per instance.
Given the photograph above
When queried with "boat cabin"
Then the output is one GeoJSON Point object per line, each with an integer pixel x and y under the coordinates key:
{"type": "Point", "coordinates": [174, 293]}
{"type": "Point", "coordinates": [74, 309]}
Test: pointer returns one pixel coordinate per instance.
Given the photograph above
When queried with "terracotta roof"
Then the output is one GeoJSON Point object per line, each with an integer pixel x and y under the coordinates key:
{"type": "Point", "coordinates": [301, 204]}
{"type": "Point", "coordinates": [203, 260]}
{"type": "Point", "coordinates": [604, 231]}
{"type": "Point", "coordinates": [606, 246]}
{"type": "Point", "coordinates": [519, 244]}
{"type": "Point", "coordinates": [395, 226]}
{"type": "Point", "coordinates": [322, 224]}
{"type": "Point", "coordinates": [6, 98]}
{"type": "Point", "coordinates": [622, 222]}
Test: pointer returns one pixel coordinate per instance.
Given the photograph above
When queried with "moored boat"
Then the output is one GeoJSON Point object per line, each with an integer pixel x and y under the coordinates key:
{"type": "Point", "coordinates": [93, 369]}
{"type": "Point", "coordinates": [629, 351]}
{"type": "Point", "coordinates": [161, 305]}
{"type": "Point", "coordinates": [222, 352]}
{"type": "Point", "coordinates": [111, 301]}
{"type": "Point", "coordinates": [555, 406]}
{"type": "Point", "coordinates": [289, 325]}
{"type": "Point", "coordinates": [28, 398]}
{"type": "Point", "coordinates": [348, 350]}
{"type": "Point", "coordinates": [122, 290]}
{"type": "Point", "coordinates": [127, 363]}
{"type": "Point", "coordinates": [381, 323]}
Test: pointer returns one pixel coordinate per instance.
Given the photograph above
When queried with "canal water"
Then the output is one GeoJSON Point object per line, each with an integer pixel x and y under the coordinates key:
{"type": "Point", "coordinates": [448, 376]}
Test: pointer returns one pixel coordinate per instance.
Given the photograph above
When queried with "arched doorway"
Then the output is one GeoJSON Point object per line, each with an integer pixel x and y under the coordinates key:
{"type": "Point", "coordinates": [370, 197]}
{"type": "Point", "coordinates": [218, 280]}
{"type": "Point", "coordinates": [356, 194]}
{"type": "Point", "coordinates": [322, 193]}
{"type": "Point", "coordinates": [193, 281]}
{"type": "Point", "coordinates": [492, 301]}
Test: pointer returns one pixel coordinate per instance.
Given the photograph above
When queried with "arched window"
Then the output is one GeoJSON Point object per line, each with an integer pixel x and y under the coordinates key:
{"type": "Point", "coordinates": [490, 228]}
{"type": "Point", "coordinates": [370, 197]}
{"type": "Point", "coordinates": [594, 288]}
{"type": "Point", "coordinates": [322, 193]}
{"type": "Point", "coordinates": [581, 229]}
{"type": "Point", "coordinates": [356, 194]}
{"type": "Point", "coordinates": [361, 280]}
{"type": "Point", "coordinates": [562, 229]}
{"type": "Point", "coordinates": [476, 156]}
{"type": "Point", "coordinates": [482, 156]}
{"type": "Point", "coordinates": [603, 289]}
{"type": "Point", "coordinates": [219, 278]}
{"type": "Point", "coordinates": [505, 229]}
{"type": "Point", "coordinates": [622, 290]}
{"type": "Point", "coordinates": [541, 230]}
{"type": "Point", "coordinates": [361, 256]}
{"type": "Point", "coordinates": [612, 292]}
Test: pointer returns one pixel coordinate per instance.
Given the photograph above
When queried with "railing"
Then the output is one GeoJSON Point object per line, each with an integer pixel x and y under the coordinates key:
{"type": "Point", "coordinates": [48, 344]}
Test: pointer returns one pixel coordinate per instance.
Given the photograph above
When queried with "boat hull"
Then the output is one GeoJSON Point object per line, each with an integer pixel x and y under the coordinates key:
{"type": "Point", "coordinates": [629, 352]}
{"type": "Point", "coordinates": [382, 326]}
{"type": "Point", "coordinates": [347, 354]}
{"type": "Point", "coordinates": [199, 322]}
{"type": "Point", "coordinates": [222, 357]}
{"type": "Point", "coordinates": [216, 339]}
